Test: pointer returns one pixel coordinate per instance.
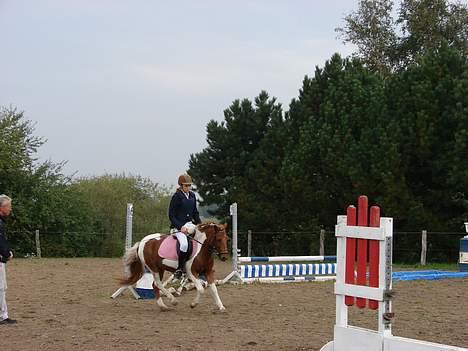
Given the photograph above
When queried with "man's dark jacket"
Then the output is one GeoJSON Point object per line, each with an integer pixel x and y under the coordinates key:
{"type": "Point", "coordinates": [4, 246]}
{"type": "Point", "coordinates": [183, 210]}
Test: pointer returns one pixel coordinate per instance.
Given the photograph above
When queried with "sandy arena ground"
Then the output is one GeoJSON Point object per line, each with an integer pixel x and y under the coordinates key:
{"type": "Point", "coordinates": [65, 304]}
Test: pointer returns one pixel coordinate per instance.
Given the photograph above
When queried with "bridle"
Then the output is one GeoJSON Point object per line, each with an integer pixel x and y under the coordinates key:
{"type": "Point", "coordinates": [212, 248]}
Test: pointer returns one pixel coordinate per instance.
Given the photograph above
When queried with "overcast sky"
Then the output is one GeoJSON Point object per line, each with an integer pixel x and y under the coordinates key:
{"type": "Point", "coordinates": [129, 86]}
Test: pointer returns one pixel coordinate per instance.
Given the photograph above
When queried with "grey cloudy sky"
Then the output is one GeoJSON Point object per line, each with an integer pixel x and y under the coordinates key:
{"type": "Point", "coordinates": [129, 86]}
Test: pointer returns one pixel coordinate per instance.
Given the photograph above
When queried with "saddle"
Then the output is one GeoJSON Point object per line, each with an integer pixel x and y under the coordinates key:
{"type": "Point", "coordinates": [170, 247]}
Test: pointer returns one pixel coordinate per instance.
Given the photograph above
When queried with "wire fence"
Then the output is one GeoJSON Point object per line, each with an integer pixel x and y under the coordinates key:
{"type": "Point", "coordinates": [408, 247]}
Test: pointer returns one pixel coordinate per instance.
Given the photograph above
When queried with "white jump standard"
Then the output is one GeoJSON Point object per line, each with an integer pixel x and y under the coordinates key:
{"type": "Point", "coordinates": [128, 245]}
{"type": "Point", "coordinates": [284, 269]}
{"type": "Point", "coordinates": [350, 290]}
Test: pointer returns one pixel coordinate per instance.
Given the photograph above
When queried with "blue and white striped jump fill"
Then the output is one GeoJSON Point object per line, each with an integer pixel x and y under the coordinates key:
{"type": "Point", "coordinates": [287, 270]}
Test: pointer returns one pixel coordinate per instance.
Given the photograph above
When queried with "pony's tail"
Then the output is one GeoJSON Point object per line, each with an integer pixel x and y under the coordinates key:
{"type": "Point", "coordinates": [133, 266]}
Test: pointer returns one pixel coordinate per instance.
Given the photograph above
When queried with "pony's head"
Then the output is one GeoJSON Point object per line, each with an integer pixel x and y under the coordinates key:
{"type": "Point", "coordinates": [216, 238]}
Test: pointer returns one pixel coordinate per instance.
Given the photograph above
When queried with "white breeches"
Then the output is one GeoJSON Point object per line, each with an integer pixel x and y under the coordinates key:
{"type": "Point", "coordinates": [3, 288]}
{"type": "Point", "coordinates": [182, 241]}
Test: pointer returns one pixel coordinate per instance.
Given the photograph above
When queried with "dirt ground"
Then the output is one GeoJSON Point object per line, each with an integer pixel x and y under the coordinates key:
{"type": "Point", "coordinates": [65, 304]}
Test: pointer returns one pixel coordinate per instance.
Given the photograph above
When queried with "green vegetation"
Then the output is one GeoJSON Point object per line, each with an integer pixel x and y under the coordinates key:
{"type": "Point", "coordinates": [429, 266]}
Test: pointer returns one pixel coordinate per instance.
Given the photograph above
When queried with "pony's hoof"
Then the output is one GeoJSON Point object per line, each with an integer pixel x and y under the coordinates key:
{"type": "Point", "coordinates": [193, 305]}
{"type": "Point", "coordinates": [165, 309]}
{"type": "Point", "coordinates": [189, 286]}
{"type": "Point", "coordinates": [221, 310]}
{"type": "Point", "coordinates": [174, 302]}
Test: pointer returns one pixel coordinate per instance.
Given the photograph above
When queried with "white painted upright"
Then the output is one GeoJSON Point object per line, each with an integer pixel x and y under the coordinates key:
{"type": "Point", "coordinates": [234, 276]}
{"type": "Point", "coordinates": [351, 338]}
{"type": "Point", "coordinates": [128, 245]}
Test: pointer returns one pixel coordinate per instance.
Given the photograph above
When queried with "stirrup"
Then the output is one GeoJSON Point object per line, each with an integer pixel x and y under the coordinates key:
{"type": "Point", "coordinates": [178, 274]}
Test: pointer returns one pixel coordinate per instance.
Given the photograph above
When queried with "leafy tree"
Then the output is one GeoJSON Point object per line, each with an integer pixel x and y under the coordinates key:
{"type": "Point", "coordinates": [228, 170]}
{"type": "Point", "coordinates": [385, 44]}
{"type": "Point", "coordinates": [107, 196]}
{"type": "Point", "coordinates": [372, 30]}
{"type": "Point", "coordinates": [428, 101]}
{"type": "Point", "coordinates": [345, 148]}
{"type": "Point", "coordinates": [80, 217]}
{"type": "Point", "coordinates": [39, 190]}
{"type": "Point", "coordinates": [427, 24]}
{"type": "Point", "coordinates": [17, 144]}
{"type": "Point", "coordinates": [390, 123]}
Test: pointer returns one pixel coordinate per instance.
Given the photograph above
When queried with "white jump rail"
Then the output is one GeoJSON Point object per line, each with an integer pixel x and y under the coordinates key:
{"type": "Point", "coordinates": [277, 269]}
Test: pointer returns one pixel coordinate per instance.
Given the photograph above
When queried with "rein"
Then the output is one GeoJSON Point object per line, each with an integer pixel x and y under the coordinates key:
{"type": "Point", "coordinates": [211, 249]}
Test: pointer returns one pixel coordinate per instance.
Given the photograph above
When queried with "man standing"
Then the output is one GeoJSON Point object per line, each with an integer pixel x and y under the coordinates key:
{"type": "Point", "coordinates": [5, 255]}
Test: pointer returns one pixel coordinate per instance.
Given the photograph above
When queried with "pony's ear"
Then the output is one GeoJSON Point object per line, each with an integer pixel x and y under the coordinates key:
{"type": "Point", "coordinates": [225, 226]}
{"type": "Point", "coordinates": [202, 226]}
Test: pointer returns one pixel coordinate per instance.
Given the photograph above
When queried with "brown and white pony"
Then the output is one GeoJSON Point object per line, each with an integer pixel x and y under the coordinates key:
{"type": "Point", "coordinates": [209, 237]}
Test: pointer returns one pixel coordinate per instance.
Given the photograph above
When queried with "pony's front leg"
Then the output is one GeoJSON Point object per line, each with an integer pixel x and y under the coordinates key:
{"type": "Point", "coordinates": [198, 286]}
{"type": "Point", "coordinates": [159, 300]}
{"type": "Point", "coordinates": [214, 291]}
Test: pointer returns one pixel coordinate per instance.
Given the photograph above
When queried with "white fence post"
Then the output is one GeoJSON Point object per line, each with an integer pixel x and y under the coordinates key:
{"type": "Point", "coordinates": [322, 242]}
{"type": "Point", "coordinates": [129, 227]}
{"type": "Point", "coordinates": [38, 245]}
{"type": "Point", "coordinates": [249, 243]}
{"type": "Point", "coordinates": [423, 247]}
{"type": "Point", "coordinates": [235, 251]}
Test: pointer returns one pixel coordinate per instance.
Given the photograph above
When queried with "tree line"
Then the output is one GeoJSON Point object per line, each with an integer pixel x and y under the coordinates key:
{"type": "Point", "coordinates": [390, 122]}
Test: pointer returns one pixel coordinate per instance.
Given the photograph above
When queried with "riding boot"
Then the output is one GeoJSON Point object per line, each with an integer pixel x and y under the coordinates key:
{"type": "Point", "coordinates": [181, 266]}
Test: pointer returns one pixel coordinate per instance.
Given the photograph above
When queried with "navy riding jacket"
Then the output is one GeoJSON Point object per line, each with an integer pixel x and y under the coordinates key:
{"type": "Point", "coordinates": [4, 246]}
{"type": "Point", "coordinates": [183, 210]}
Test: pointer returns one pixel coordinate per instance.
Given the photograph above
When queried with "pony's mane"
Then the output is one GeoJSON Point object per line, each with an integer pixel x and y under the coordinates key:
{"type": "Point", "coordinates": [208, 222]}
{"type": "Point", "coordinates": [199, 232]}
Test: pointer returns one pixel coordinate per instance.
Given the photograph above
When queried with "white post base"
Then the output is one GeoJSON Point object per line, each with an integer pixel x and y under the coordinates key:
{"type": "Point", "coordinates": [358, 339]}
{"type": "Point", "coordinates": [122, 289]}
{"type": "Point", "coordinates": [394, 343]}
{"type": "Point", "coordinates": [233, 277]}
